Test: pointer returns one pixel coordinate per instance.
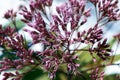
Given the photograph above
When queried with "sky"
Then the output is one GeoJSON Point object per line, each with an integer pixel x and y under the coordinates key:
{"type": "Point", "coordinates": [8, 4]}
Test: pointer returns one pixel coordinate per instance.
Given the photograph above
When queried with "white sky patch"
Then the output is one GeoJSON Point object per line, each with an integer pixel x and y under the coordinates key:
{"type": "Point", "coordinates": [8, 4]}
{"type": "Point", "coordinates": [114, 69]}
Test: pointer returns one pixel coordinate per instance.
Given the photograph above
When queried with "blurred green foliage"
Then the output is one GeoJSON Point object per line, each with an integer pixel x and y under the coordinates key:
{"type": "Point", "coordinates": [19, 24]}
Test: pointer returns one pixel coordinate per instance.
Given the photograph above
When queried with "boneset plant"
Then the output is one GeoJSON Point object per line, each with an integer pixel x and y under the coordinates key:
{"type": "Point", "coordinates": [57, 33]}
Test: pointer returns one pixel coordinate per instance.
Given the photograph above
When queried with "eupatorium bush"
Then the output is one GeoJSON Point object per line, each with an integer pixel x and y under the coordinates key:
{"type": "Point", "coordinates": [57, 33]}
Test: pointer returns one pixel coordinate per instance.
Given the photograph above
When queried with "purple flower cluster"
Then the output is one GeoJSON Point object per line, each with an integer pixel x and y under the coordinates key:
{"type": "Point", "coordinates": [10, 14]}
{"type": "Point", "coordinates": [56, 36]}
{"type": "Point", "coordinates": [107, 9]}
{"type": "Point", "coordinates": [96, 75]}
{"type": "Point", "coordinates": [11, 40]}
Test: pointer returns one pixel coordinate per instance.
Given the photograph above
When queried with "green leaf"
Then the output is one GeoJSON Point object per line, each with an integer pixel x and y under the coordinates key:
{"type": "Point", "coordinates": [34, 74]}
{"type": "Point", "coordinates": [111, 43]}
{"type": "Point", "coordinates": [110, 77]}
{"type": "Point", "coordinates": [19, 24]}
